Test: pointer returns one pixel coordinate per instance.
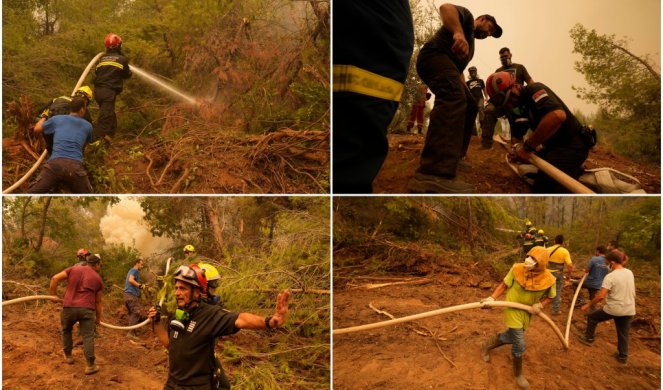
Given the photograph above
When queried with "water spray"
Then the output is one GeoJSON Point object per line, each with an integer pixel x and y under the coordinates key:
{"type": "Point", "coordinates": [163, 85]}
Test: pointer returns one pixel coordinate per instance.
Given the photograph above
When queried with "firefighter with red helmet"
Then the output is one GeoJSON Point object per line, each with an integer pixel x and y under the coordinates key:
{"type": "Point", "coordinates": [557, 135]}
{"type": "Point", "coordinates": [82, 255]}
{"type": "Point", "coordinates": [110, 73]}
{"type": "Point", "coordinates": [195, 325]}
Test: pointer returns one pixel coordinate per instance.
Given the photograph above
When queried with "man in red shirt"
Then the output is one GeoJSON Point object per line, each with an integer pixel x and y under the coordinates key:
{"type": "Point", "coordinates": [613, 246]}
{"type": "Point", "coordinates": [82, 304]}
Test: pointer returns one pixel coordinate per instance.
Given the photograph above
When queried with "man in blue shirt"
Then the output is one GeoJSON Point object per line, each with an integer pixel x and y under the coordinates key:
{"type": "Point", "coordinates": [65, 166]}
{"type": "Point", "coordinates": [132, 287]}
{"type": "Point", "coordinates": [596, 270]}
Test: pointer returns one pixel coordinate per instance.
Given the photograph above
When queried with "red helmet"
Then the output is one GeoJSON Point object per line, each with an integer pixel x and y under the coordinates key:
{"type": "Point", "coordinates": [500, 83]}
{"type": "Point", "coordinates": [82, 252]}
{"type": "Point", "coordinates": [112, 40]}
{"type": "Point", "coordinates": [192, 275]}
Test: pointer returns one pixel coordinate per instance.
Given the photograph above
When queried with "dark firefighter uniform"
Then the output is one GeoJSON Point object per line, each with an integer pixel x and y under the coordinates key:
{"type": "Point", "coordinates": [373, 42]}
{"type": "Point", "coordinates": [111, 71]}
{"type": "Point", "coordinates": [565, 149]}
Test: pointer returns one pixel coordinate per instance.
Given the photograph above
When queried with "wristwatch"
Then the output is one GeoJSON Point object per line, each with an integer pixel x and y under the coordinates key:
{"type": "Point", "coordinates": [267, 320]}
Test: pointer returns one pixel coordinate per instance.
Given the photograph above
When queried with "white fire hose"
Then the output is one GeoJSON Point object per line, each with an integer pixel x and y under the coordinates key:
{"type": "Point", "coordinates": [58, 299]}
{"type": "Point", "coordinates": [476, 305]}
{"type": "Point", "coordinates": [44, 153]}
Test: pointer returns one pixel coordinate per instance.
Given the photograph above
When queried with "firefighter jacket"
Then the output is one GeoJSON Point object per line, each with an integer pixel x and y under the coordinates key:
{"type": "Point", "coordinates": [111, 70]}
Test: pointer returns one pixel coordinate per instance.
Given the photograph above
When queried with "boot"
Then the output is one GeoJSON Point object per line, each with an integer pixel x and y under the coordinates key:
{"type": "Point", "coordinates": [422, 183]}
{"type": "Point", "coordinates": [518, 372]}
{"type": "Point", "coordinates": [493, 342]}
{"type": "Point", "coordinates": [91, 369]}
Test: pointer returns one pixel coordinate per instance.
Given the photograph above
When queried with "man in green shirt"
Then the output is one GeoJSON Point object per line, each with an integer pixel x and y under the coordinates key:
{"type": "Point", "coordinates": [529, 283]}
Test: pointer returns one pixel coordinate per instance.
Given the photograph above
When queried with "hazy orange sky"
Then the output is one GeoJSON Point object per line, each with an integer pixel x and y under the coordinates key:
{"type": "Point", "coordinates": [537, 32]}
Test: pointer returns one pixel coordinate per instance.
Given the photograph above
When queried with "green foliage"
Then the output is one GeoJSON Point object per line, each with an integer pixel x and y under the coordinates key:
{"type": "Point", "coordinates": [627, 89]}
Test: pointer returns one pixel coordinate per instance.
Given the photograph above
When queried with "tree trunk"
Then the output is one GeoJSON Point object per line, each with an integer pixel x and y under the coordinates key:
{"type": "Point", "coordinates": [23, 217]}
{"type": "Point", "coordinates": [217, 228]}
{"type": "Point", "coordinates": [42, 228]}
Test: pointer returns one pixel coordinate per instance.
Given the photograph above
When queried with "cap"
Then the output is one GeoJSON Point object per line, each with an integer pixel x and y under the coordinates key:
{"type": "Point", "coordinates": [498, 29]}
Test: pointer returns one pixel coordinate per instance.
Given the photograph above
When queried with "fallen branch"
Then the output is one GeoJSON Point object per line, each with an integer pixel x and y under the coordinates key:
{"type": "Point", "coordinates": [371, 286]}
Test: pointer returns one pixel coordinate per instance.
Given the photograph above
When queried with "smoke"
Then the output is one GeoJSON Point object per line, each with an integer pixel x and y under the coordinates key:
{"type": "Point", "coordinates": [123, 224]}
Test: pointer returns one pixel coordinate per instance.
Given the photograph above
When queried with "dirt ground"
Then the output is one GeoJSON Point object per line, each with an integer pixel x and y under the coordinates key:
{"type": "Point", "coordinates": [405, 356]}
{"type": "Point", "coordinates": [32, 356]}
{"type": "Point", "coordinates": [490, 174]}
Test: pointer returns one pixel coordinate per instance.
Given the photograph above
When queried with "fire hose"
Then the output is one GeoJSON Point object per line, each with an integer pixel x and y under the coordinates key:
{"type": "Point", "coordinates": [110, 326]}
{"type": "Point", "coordinates": [475, 305]}
{"type": "Point", "coordinates": [44, 153]}
{"type": "Point", "coordinates": [556, 174]}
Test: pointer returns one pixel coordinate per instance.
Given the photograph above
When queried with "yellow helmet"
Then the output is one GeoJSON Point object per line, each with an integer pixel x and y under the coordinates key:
{"type": "Point", "coordinates": [85, 91]}
{"type": "Point", "coordinates": [189, 248]}
{"type": "Point", "coordinates": [541, 231]}
{"type": "Point", "coordinates": [528, 223]}
{"type": "Point", "coordinates": [211, 273]}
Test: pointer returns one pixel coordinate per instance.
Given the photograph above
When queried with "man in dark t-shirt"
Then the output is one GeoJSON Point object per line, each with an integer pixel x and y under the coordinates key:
{"type": "Point", "coordinates": [492, 113]}
{"type": "Point", "coordinates": [556, 134]}
{"type": "Point", "coordinates": [478, 90]}
{"type": "Point", "coordinates": [195, 326]}
{"type": "Point", "coordinates": [82, 304]}
{"type": "Point", "coordinates": [440, 65]}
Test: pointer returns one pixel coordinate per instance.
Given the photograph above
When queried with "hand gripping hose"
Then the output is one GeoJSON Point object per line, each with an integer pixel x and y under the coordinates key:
{"type": "Point", "coordinates": [475, 305]}
{"type": "Point", "coordinates": [57, 299]}
{"type": "Point", "coordinates": [44, 153]}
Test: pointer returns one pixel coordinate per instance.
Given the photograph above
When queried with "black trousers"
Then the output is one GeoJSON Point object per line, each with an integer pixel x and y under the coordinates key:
{"type": "Point", "coordinates": [622, 325]}
{"type": "Point", "coordinates": [491, 113]}
{"type": "Point", "coordinates": [360, 140]}
{"type": "Point", "coordinates": [452, 117]}
{"type": "Point", "coordinates": [107, 121]}
{"type": "Point", "coordinates": [568, 159]}
{"type": "Point", "coordinates": [62, 171]}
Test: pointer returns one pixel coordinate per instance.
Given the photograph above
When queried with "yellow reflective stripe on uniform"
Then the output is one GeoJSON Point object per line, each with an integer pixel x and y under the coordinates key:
{"type": "Point", "coordinates": [110, 63]}
{"type": "Point", "coordinates": [349, 78]}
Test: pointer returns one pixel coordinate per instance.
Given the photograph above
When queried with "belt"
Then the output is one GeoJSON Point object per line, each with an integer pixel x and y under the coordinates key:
{"type": "Point", "coordinates": [349, 78]}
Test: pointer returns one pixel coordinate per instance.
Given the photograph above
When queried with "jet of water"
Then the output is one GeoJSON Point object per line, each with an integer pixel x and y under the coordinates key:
{"type": "Point", "coordinates": [163, 85]}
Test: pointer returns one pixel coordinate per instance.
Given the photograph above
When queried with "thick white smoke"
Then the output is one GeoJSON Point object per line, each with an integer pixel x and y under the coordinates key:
{"type": "Point", "coordinates": [123, 224]}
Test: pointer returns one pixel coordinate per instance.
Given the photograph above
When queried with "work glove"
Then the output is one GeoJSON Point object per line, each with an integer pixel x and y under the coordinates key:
{"type": "Point", "coordinates": [489, 299]}
{"type": "Point", "coordinates": [142, 286]}
{"type": "Point", "coordinates": [537, 307]}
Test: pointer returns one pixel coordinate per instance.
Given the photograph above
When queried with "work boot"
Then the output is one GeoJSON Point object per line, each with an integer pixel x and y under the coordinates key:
{"type": "Point", "coordinates": [583, 339]}
{"type": "Point", "coordinates": [91, 369]}
{"type": "Point", "coordinates": [493, 342]}
{"type": "Point", "coordinates": [518, 372]}
{"type": "Point", "coordinates": [68, 358]}
{"type": "Point", "coordinates": [422, 183]}
{"type": "Point", "coordinates": [463, 165]}
{"type": "Point", "coordinates": [620, 358]}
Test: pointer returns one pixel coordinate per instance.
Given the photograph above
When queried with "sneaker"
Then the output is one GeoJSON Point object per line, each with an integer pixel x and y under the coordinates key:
{"type": "Point", "coordinates": [422, 184]}
{"type": "Point", "coordinates": [585, 340]}
{"type": "Point", "coordinates": [89, 370]}
{"type": "Point", "coordinates": [621, 359]}
{"type": "Point", "coordinates": [69, 359]}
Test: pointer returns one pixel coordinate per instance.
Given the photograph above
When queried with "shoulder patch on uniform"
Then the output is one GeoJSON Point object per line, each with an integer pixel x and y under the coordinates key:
{"type": "Point", "coordinates": [538, 95]}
